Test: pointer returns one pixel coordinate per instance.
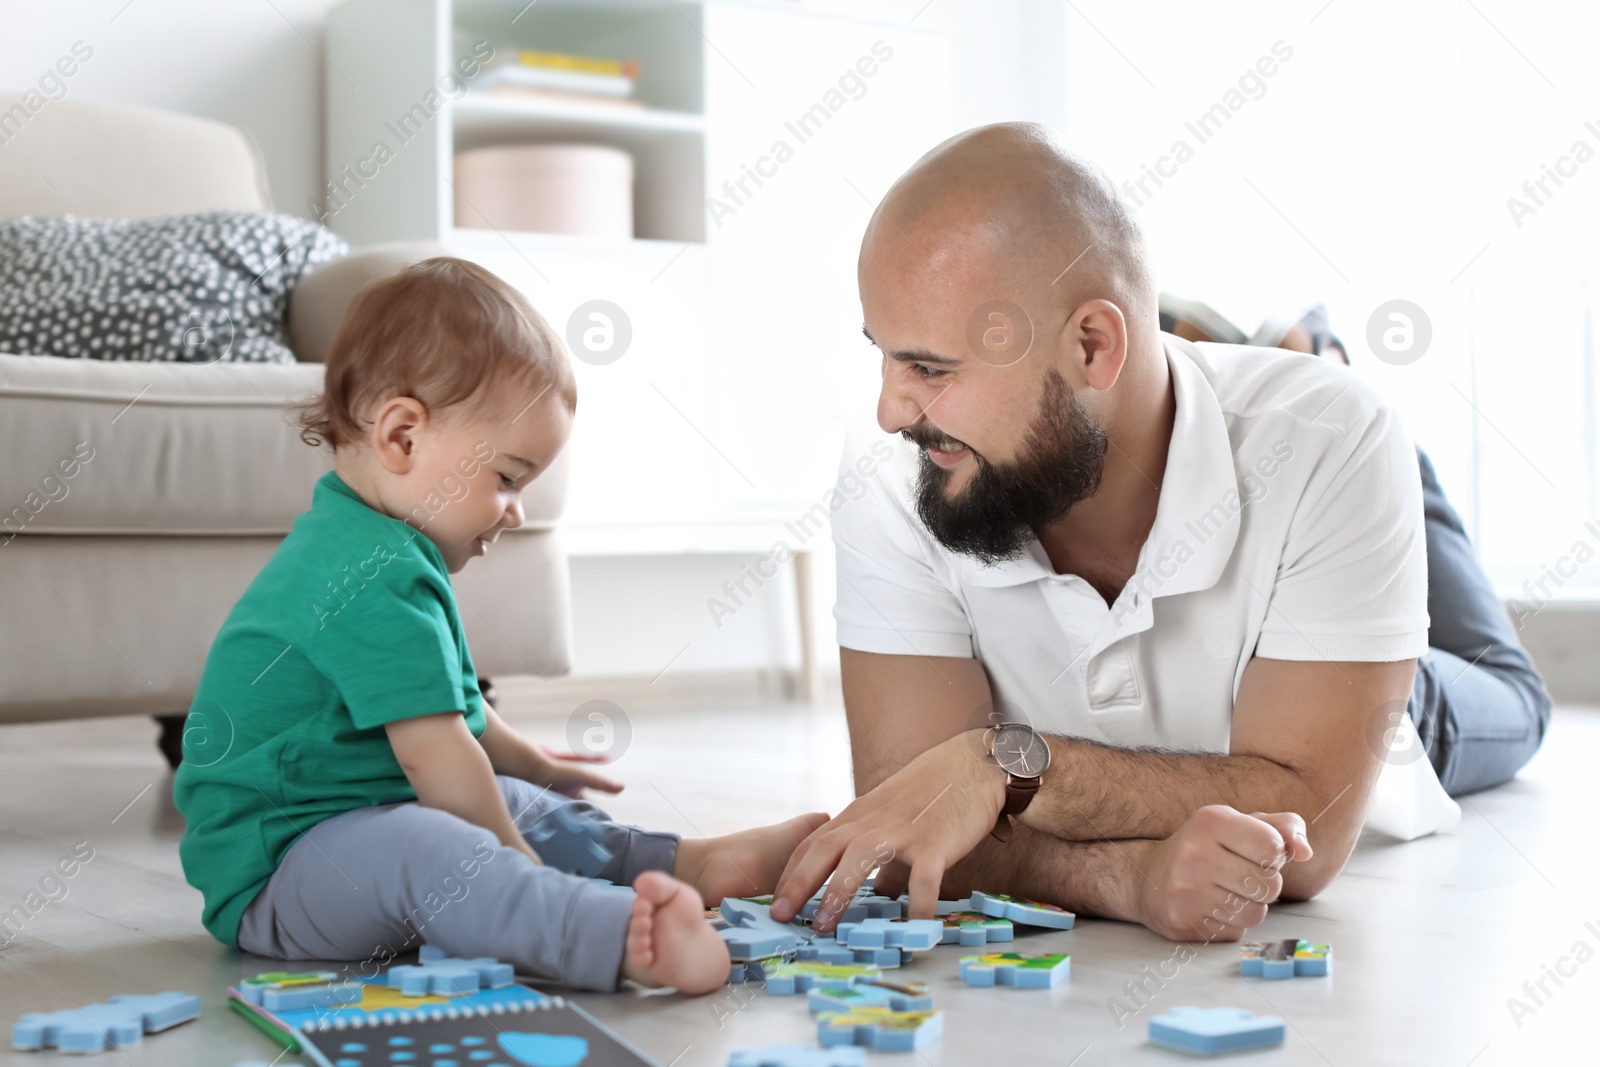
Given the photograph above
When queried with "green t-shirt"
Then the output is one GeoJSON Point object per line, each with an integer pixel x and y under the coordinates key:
{"type": "Point", "coordinates": [351, 624]}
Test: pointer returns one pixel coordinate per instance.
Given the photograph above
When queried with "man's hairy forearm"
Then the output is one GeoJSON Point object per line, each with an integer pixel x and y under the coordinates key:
{"type": "Point", "coordinates": [1098, 878]}
{"type": "Point", "coordinates": [1094, 792]}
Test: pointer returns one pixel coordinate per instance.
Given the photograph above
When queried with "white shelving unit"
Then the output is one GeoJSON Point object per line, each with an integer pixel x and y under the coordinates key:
{"type": "Point", "coordinates": [393, 62]}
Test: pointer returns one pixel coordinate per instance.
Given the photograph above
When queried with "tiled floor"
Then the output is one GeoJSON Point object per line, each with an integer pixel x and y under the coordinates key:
{"type": "Point", "coordinates": [1431, 939]}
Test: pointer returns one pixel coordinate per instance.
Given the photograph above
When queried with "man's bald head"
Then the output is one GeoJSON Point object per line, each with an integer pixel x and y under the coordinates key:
{"type": "Point", "coordinates": [1011, 201]}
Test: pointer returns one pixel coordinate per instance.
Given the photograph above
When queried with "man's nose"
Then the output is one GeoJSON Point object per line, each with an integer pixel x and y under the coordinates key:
{"type": "Point", "coordinates": [898, 406]}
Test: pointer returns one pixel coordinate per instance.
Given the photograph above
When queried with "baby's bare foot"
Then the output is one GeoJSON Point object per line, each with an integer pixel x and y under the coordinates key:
{"type": "Point", "coordinates": [669, 941]}
{"type": "Point", "coordinates": [744, 864]}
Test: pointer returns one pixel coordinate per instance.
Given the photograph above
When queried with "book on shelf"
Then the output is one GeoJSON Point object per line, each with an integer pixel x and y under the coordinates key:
{"type": "Point", "coordinates": [553, 96]}
{"type": "Point", "coordinates": [559, 72]}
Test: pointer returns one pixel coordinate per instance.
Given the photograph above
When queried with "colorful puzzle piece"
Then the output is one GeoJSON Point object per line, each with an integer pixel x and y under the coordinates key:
{"type": "Point", "coordinates": [1044, 971]}
{"type": "Point", "coordinates": [798, 1056]}
{"type": "Point", "coordinates": [443, 976]}
{"type": "Point", "coordinates": [283, 991]}
{"type": "Point", "coordinates": [896, 996]}
{"type": "Point", "coordinates": [973, 929]}
{"type": "Point", "coordinates": [118, 1023]}
{"type": "Point", "coordinates": [1207, 1031]}
{"type": "Point", "coordinates": [753, 934]}
{"type": "Point", "coordinates": [917, 935]}
{"type": "Point", "coordinates": [787, 979]}
{"type": "Point", "coordinates": [833, 952]}
{"type": "Point", "coordinates": [1022, 910]}
{"type": "Point", "coordinates": [880, 1028]}
{"type": "Point", "coordinates": [1284, 959]}
{"type": "Point", "coordinates": [567, 838]}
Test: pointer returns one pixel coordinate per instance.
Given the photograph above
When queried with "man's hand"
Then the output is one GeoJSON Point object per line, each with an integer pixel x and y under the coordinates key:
{"type": "Point", "coordinates": [926, 816]}
{"type": "Point", "coordinates": [1214, 878]}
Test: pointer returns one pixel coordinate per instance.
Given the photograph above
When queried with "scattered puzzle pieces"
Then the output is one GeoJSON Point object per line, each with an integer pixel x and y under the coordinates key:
{"type": "Point", "coordinates": [310, 991]}
{"type": "Point", "coordinates": [443, 976]}
{"type": "Point", "coordinates": [1022, 910]}
{"type": "Point", "coordinates": [1284, 959]}
{"type": "Point", "coordinates": [798, 1056]}
{"type": "Point", "coordinates": [787, 979]}
{"type": "Point", "coordinates": [118, 1023]}
{"type": "Point", "coordinates": [896, 996]}
{"type": "Point", "coordinates": [568, 839]}
{"type": "Point", "coordinates": [1207, 1031]}
{"type": "Point", "coordinates": [880, 1028]}
{"type": "Point", "coordinates": [753, 934]}
{"type": "Point", "coordinates": [973, 929]}
{"type": "Point", "coordinates": [1044, 971]}
{"type": "Point", "coordinates": [916, 935]}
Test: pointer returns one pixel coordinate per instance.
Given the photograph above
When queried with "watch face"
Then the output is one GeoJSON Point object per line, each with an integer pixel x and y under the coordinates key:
{"type": "Point", "coordinates": [1020, 750]}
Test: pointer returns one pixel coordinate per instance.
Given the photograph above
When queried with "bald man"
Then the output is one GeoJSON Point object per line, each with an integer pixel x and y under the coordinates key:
{"type": "Point", "coordinates": [1191, 576]}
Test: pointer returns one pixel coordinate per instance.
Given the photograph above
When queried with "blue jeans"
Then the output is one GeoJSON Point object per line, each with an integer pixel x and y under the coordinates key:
{"type": "Point", "coordinates": [1479, 706]}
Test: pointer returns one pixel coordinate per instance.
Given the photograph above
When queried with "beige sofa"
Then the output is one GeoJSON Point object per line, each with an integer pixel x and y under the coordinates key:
{"type": "Point", "coordinates": [184, 477]}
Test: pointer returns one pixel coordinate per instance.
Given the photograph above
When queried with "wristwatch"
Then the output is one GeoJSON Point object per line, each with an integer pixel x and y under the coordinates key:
{"type": "Point", "coordinates": [1024, 755]}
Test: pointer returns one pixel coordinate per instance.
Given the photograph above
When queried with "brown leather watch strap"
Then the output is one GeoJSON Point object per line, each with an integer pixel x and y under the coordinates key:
{"type": "Point", "coordinates": [1019, 794]}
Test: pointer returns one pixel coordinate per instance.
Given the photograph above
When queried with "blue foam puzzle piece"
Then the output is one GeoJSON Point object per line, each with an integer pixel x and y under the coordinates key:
{"type": "Point", "coordinates": [118, 1023]}
{"type": "Point", "coordinates": [916, 935]}
{"type": "Point", "coordinates": [442, 976]}
{"type": "Point", "coordinates": [1045, 970]}
{"type": "Point", "coordinates": [1284, 959]}
{"type": "Point", "coordinates": [879, 1028]}
{"type": "Point", "coordinates": [1024, 911]}
{"type": "Point", "coordinates": [911, 996]}
{"type": "Point", "coordinates": [298, 993]}
{"type": "Point", "coordinates": [833, 952]}
{"type": "Point", "coordinates": [798, 1056]}
{"type": "Point", "coordinates": [567, 838]}
{"type": "Point", "coordinates": [1207, 1031]}
{"type": "Point", "coordinates": [972, 929]}
{"type": "Point", "coordinates": [752, 933]}
{"type": "Point", "coordinates": [786, 979]}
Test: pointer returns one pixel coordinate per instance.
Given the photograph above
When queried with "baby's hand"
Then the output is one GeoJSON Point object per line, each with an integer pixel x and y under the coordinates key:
{"type": "Point", "coordinates": [566, 773]}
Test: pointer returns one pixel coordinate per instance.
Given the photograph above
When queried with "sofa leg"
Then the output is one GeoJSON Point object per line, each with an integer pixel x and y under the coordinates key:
{"type": "Point", "coordinates": [171, 740]}
{"type": "Point", "coordinates": [491, 695]}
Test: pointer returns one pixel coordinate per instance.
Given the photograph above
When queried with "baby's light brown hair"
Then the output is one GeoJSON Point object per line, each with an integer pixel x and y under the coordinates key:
{"type": "Point", "coordinates": [441, 331]}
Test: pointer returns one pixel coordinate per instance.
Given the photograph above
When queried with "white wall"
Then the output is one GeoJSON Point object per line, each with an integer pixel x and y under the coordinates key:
{"type": "Point", "coordinates": [248, 63]}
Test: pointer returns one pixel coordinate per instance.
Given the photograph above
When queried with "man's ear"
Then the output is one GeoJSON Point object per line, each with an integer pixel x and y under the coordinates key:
{"type": "Point", "coordinates": [1101, 332]}
{"type": "Point", "coordinates": [395, 432]}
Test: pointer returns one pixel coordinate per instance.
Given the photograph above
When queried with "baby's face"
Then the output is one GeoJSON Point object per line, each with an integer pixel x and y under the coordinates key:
{"type": "Point", "coordinates": [472, 466]}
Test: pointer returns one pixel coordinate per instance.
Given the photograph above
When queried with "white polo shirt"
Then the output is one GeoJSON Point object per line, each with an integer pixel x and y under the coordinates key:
{"type": "Point", "coordinates": [1289, 526]}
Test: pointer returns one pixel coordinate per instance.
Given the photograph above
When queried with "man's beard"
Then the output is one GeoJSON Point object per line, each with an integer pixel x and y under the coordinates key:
{"type": "Point", "coordinates": [1000, 510]}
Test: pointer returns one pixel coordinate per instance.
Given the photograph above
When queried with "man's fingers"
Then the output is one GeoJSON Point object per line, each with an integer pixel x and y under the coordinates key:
{"type": "Point", "coordinates": [1256, 840]}
{"type": "Point", "coordinates": [892, 879]}
{"type": "Point", "coordinates": [927, 875]}
{"type": "Point", "coordinates": [1292, 828]}
{"type": "Point", "coordinates": [783, 906]}
{"type": "Point", "coordinates": [856, 862]}
{"type": "Point", "coordinates": [806, 874]}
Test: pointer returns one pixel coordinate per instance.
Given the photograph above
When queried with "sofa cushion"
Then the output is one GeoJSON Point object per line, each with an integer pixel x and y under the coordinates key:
{"type": "Point", "coordinates": [89, 447]}
{"type": "Point", "coordinates": [320, 300]}
{"type": "Point", "coordinates": [203, 288]}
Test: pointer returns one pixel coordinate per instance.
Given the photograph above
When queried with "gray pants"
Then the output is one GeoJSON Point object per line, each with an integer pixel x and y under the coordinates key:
{"type": "Point", "coordinates": [1480, 707]}
{"type": "Point", "coordinates": [376, 882]}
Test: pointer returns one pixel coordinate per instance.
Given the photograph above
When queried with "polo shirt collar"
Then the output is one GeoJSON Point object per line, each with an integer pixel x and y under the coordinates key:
{"type": "Point", "coordinates": [1189, 544]}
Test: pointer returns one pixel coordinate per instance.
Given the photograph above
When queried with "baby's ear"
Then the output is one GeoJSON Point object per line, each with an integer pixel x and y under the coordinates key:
{"type": "Point", "coordinates": [395, 431]}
